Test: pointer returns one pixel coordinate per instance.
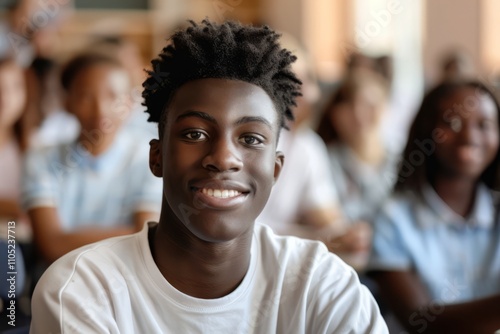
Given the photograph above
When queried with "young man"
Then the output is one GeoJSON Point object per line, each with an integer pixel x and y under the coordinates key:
{"type": "Point", "coordinates": [221, 94]}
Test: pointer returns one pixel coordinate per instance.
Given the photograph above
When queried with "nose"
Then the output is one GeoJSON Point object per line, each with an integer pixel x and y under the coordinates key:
{"type": "Point", "coordinates": [223, 157]}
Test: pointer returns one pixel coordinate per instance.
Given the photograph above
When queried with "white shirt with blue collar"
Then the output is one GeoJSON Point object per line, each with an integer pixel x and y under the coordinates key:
{"type": "Point", "coordinates": [457, 259]}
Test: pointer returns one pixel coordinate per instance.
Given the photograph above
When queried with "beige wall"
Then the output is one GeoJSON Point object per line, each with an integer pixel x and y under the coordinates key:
{"type": "Point", "coordinates": [450, 24]}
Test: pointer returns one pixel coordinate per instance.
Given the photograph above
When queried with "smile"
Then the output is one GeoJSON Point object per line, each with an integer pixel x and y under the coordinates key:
{"type": "Point", "coordinates": [220, 193]}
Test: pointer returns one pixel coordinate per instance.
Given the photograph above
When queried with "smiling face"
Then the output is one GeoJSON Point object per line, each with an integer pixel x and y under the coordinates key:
{"type": "Point", "coordinates": [469, 121]}
{"type": "Point", "coordinates": [218, 157]}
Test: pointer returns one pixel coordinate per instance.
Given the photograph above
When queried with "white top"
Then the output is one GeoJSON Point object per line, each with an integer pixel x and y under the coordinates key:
{"type": "Point", "coordinates": [292, 286]}
{"type": "Point", "coordinates": [59, 127]}
{"type": "Point", "coordinates": [92, 191]}
{"type": "Point", "coordinates": [305, 182]}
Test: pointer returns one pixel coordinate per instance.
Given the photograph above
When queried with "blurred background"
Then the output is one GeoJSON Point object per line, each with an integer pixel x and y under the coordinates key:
{"type": "Point", "coordinates": [418, 36]}
{"type": "Point", "coordinates": [412, 45]}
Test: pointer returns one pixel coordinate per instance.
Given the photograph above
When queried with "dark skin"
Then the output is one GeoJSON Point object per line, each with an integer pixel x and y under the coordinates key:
{"type": "Point", "coordinates": [220, 135]}
{"type": "Point", "coordinates": [469, 148]}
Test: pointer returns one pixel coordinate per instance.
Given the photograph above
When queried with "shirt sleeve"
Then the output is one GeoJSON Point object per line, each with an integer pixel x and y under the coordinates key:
{"type": "Point", "coordinates": [70, 298]}
{"type": "Point", "coordinates": [319, 190]}
{"type": "Point", "coordinates": [39, 185]}
{"type": "Point", "coordinates": [340, 303]}
{"type": "Point", "coordinates": [390, 229]}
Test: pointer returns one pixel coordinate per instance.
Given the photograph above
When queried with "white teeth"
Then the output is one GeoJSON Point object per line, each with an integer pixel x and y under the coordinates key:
{"type": "Point", "coordinates": [220, 193]}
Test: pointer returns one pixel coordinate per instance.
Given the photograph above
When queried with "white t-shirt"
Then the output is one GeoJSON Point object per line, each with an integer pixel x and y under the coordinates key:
{"type": "Point", "coordinates": [305, 182]}
{"type": "Point", "coordinates": [292, 286]}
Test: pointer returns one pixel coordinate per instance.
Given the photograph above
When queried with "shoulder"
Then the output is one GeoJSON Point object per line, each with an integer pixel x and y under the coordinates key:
{"type": "Point", "coordinates": [299, 258]}
{"type": "Point", "coordinates": [311, 277]}
{"type": "Point", "coordinates": [401, 203]}
{"type": "Point", "coordinates": [91, 265]}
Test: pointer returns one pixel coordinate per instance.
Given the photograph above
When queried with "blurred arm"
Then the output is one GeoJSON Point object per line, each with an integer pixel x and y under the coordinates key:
{"type": "Point", "coordinates": [411, 303]}
{"type": "Point", "coordinates": [54, 242]}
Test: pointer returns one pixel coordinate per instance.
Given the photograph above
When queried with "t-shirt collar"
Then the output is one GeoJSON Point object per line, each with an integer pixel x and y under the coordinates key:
{"type": "Point", "coordinates": [482, 214]}
{"type": "Point", "coordinates": [106, 160]}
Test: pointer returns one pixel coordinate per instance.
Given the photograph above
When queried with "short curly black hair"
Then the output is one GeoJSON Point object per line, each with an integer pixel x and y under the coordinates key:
{"type": "Point", "coordinates": [229, 51]}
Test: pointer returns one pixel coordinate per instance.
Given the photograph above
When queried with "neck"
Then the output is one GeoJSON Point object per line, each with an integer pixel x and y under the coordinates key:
{"type": "Point", "coordinates": [96, 149]}
{"type": "Point", "coordinates": [457, 193]}
{"type": "Point", "coordinates": [369, 148]}
{"type": "Point", "coordinates": [195, 267]}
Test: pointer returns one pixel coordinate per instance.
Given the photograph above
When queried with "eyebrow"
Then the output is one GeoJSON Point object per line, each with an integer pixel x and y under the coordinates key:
{"type": "Point", "coordinates": [209, 118]}
{"type": "Point", "coordinates": [250, 119]}
{"type": "Point", "coordinates": [198, 114]}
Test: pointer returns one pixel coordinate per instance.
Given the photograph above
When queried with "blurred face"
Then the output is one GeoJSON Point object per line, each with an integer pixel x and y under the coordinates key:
{"type": "Point", "coordinates": [12, 94]}
{"type": "Point", "coordinates": [469, 120]}
{"type": "Point", "coordinates": [361, 116]}
{"type": "Point", "coordinates": [99, 98]}
{"type": "Point", "coordinates": [218, 157]}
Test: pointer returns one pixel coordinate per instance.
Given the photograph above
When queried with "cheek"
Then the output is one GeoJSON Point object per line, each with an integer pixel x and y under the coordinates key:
{"type": "Point", "coordinates": [493, 143]}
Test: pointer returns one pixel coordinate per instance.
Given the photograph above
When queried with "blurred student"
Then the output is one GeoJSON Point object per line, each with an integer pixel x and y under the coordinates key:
{"type": "Point", "coordinates": [436, 248]}
{"type": "Point", "coordinates": [14, 137]}
{"type": "Point", "coordinates": [99, 185]}
{"type": "Point", "coordinates": [362, 165]}
{"type": "Point", "coordinates": [128, 54]}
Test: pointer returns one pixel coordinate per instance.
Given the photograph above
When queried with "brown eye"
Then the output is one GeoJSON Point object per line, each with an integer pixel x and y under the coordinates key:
{"type": "Point", "coordinates": [251, 140]}
{"type": "Point", "coordinates": [195, 135]}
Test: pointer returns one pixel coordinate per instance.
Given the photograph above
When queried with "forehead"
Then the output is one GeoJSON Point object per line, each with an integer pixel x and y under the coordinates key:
{"type": "Point", "coordinates": [470, 101]}
{"type": "Point", "coordinates": [224, 99]}
{"type": "Point", "coordinates": [101, 76]}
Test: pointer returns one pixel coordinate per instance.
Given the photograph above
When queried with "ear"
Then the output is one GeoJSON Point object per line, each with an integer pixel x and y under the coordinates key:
{"type": "Point", "coordinates": [278, 164]}
{"type": "Point", "coordinates": [155, 158]}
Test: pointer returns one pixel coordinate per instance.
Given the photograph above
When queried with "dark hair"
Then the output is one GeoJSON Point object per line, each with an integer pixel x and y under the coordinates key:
{"type": "Point", "coordinates": [227, 51]}
{"type": "Point", "coordinates": [422, 130]}
{"type": "Point", "coordinates": [350, 86]}
{"type": "Point", "coordinates": [83, 62]}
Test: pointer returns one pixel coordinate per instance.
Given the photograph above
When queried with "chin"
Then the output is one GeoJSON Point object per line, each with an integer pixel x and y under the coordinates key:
{"type": "Point", "coordinates": [218, 230]}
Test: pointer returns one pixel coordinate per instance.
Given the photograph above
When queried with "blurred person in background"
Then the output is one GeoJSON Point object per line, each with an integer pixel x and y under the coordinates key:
{"type": "Point", "coordinates": [362, 166]}
{"type": "Point", "coordinates": [436, 246]}
{"type": "Point", "coordinates": [14, 137]}
{"type": "Point", "coordinates": [128, 54]}
{"type": "Point", "coordinates": [99, 185]}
